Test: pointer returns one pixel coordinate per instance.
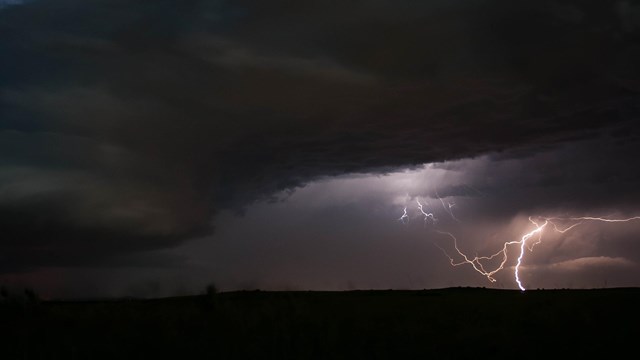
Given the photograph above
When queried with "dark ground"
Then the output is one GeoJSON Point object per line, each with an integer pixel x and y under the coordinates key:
{"type": "Point", "coordinates": [448, 323]}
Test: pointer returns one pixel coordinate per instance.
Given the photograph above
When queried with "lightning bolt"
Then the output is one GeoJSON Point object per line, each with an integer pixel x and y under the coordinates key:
{"type": "Point", "coordinates": [477, 262]}
{"type": "Point", "coordinates": [425, 214]}
{"type": "Point", "coordinates": [523, 242]}
{"type": "Point", "coordinates": [482, 264]}
{"type": "Point", "coordinates": [405, 217]}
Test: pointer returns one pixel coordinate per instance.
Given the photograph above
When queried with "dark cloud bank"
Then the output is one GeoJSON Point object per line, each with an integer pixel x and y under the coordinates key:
{"type": "Point", "coordinates": [126, 125]}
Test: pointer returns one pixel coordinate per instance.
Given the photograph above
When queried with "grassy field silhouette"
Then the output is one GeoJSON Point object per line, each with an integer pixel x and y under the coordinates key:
{"type": "Point", "coordinates": [445, 323]}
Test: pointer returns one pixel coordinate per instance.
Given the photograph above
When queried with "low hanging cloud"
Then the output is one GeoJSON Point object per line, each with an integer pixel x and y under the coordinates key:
{"type": "Point", "coordinates": [594, 261]}
{"type": "Point", "coordinates": [126, 125]}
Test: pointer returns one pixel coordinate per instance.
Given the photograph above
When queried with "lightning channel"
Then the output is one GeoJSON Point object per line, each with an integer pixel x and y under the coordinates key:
{"type": "Point", "coordinates": [426, 215]}
{"type": "Point", "coordinates": [405, 217]}
{"type": "Point", "coordinates": [490, 265]}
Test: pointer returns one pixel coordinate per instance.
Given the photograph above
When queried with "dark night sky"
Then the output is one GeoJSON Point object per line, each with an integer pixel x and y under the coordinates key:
{"type": "Point", "coordinates": [152, 147]}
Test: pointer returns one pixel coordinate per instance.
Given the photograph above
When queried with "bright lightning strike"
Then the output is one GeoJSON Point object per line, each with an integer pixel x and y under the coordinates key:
{"type": "Point", "coordinates": [481, 264]}
{"type": "Point", "coordinates": [477, 262]}
{"type": "Point", "coordinates": [424, 213]}
{"type": "Point", "coordinates": [523, 242]}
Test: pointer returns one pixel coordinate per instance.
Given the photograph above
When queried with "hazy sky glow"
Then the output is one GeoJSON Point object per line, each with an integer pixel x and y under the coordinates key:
{"type": "Point", "coordinates": [149, 148]}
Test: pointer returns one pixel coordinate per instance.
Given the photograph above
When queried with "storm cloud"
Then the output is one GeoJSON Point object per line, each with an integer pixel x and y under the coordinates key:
{"type": "Point", "coordinates": [126, 126]}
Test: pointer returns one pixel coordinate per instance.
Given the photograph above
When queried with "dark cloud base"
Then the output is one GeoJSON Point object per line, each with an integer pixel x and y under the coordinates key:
{"type": "Point", "coordinates": [126, 125]}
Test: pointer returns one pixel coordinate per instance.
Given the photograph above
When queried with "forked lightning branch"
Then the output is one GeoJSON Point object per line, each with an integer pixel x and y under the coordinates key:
{"type": "Point", "coordinates": [490, 265]}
